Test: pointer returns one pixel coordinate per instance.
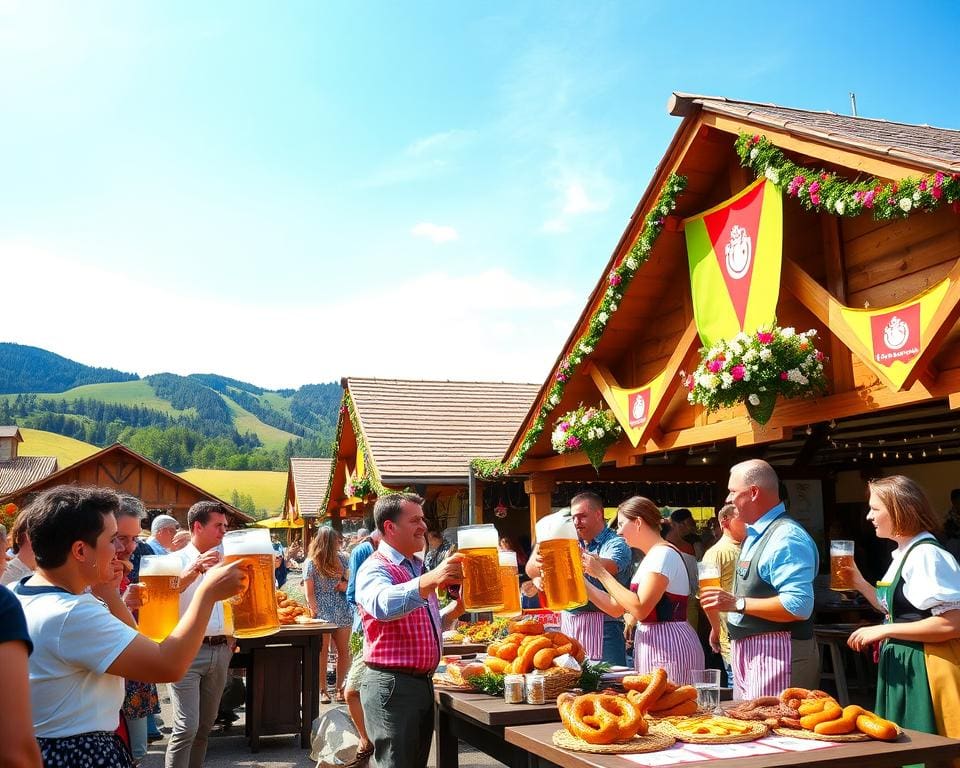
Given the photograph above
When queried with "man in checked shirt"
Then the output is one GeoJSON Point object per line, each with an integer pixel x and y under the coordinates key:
{"type": "Point", "coordinates": [402, 633]}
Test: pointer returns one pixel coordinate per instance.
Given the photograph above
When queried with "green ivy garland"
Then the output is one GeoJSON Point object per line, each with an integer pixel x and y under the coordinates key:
{"type": "Point", "coordinates": [826, 192]}
{"type": "Point", "coordinates": [371, 480]}
{"type": "Point", "coordinates": [617, 282]}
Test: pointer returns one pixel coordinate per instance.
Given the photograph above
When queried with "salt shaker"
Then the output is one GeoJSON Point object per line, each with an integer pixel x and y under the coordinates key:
{"type": "Point", "coordinates": [513, 689]}
{"type": "Point", "coordinates": [536, 689]}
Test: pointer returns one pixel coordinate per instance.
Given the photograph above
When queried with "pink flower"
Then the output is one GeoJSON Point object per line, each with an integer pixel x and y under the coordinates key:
{"type": "Point", "coordinates": [922, 186]}
{"type": "Point", "coordinates": [764, 337]}
{"type": "Point", "coordinates": [573, 441]}
{"type": "Point", "coordinates": [783, 376]}
{"type": "Point", "coordinates": [614, 279]}
{"type": "Point", "coordinates": [938, 179]}
{"type": "Point", "coordinates": [814, 193]}
{"type": "Point", "coordinates": [689, 381]}
{"type": "Point", "coordinates": [561, 376]}
{"type": "Point", "coordinates": [564, 425]}
{"type": "Point", "coordinates": [819, 355]}
{"type": "Point", "coordinates": [936, 192]}
{"type": "Point", "coordinates": [868, 198]}
{"type": "Point", "coordinates": [715, 366]}
{"type": "Point", "coordinates": [737, 372]}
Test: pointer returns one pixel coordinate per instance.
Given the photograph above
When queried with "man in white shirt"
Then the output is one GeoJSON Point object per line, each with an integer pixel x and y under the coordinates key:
{"type": "Point", "coordinates": [196, 698]}
{"type": "Point", "coordinates": [162, 530]}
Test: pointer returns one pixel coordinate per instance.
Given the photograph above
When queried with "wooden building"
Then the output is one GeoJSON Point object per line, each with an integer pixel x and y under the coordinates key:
{"type": "Point", "coordinates": [126, 471]}
{"type": "Point", "coordinates": [306, 488]}
{"type": "Point", "coordinates": [867, 423]}
{"type": "Point", "coordinates": [18, 471]}
{"type": "Point", "coordinates": [397, 434]}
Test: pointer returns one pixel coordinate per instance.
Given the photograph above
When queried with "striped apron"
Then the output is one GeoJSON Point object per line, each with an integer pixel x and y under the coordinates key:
{"type": "Point", "coordinates": [672, 645]}
{"type": "Point", "coordinates": [586, 628]}
{"type": "Point", "coordinates": [761, 664]}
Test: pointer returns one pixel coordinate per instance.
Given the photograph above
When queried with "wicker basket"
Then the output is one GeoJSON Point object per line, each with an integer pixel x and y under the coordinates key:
{"type": "Point", "coordinates": [557, 682]}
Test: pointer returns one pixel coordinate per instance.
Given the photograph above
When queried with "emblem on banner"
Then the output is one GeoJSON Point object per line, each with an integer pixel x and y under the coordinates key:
{"type": "Point", "coordinates": [739, 252]}
{"type": "Point", "coordinates": [896, 335]}
{"type": "Point", "coordinates": [639, 405]}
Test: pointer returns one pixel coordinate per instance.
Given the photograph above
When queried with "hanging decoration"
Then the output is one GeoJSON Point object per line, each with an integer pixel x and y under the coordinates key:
{"type": "Point", "coordinates": [735, 250]}
{"type": "Point", "coordinates": [591, 430]}
{"type": "Point", "coordinates": [826, 192]}
{"type": "Point", "coordinates": [754, 369]}
{"type": "Point", "coordinates": [617, 281]}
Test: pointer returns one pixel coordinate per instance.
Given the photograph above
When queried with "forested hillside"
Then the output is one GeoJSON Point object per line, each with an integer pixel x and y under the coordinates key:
{"type": "Point", "coordinates": [31, 369]}
{"type": "Point", "coordinates": [202, 421]}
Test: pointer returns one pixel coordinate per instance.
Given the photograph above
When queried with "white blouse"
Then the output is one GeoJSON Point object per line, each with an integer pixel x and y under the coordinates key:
{"type": "Point", "coordinates": [930, 576]}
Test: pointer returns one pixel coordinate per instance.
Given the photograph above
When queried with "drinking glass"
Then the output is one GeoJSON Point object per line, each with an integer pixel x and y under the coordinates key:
{"type": "Point", "coordinates": [707, 683]}
{"type": "Point", "coordinates": [708, 574]}
{"type": "Point", "coordinates": [841, 558]}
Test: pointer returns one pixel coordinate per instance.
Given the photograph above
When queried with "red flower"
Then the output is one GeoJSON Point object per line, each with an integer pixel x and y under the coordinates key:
{"type": "Point", "coordinates": [737, 372]}
{"type": "Point", "coordinates": [783, 376]}
{"type": "Point", "coordinates": [764, 338]}
{"type": "Point", "coordinates": [755, 139]}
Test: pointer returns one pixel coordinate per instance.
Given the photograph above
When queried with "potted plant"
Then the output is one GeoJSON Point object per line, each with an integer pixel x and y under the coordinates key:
{"type": "Point", "coordinates": [591, 430]}
{"type": "Point", "coordinates": [754, 369]}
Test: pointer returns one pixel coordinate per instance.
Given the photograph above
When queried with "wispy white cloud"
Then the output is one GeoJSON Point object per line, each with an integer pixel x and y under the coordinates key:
{"type": "Point", "coordinates": [422, 326]}
{"type": "Point", "coordinates": [573, 200]}
{"type": "Point", "coordinates": [436, 233]}
{"type": "Point", "coordinates": [423, 158]}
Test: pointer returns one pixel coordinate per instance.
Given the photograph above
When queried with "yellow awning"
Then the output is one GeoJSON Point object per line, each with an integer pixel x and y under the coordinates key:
{"type": "Point", "coordinates": [279, 522]}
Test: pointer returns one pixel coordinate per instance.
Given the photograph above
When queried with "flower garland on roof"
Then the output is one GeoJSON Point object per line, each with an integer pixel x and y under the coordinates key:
{"type": "Point", "coordinates": [371, 480]}
{"type": "Point", "coordinates": [826, 192]}
{"type": "Point", "coordinates": [617, 281]}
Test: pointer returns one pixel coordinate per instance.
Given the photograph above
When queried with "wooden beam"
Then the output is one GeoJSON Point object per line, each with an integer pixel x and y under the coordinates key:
{"type": "Point", "coordinates": [841, 361]}
{"type": "Point", "coordinates": [760, 434]}
{"type": "Point", "coordinates": [954, 400]}
{"type": "Point", "coordinates": [539, 489]}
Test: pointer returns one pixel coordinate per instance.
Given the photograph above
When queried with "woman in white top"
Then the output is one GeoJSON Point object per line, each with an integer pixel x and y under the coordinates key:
{"type": "Point", "coordinates": [918, 683]}
{"type": "Point", "coordinates": [657, 597]}
{"type": "Point", "coordinates": [85, 640]}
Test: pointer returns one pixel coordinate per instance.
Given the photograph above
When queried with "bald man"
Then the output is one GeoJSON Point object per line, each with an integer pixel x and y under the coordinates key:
{"type": "Point", "coordinates": [770, 610]}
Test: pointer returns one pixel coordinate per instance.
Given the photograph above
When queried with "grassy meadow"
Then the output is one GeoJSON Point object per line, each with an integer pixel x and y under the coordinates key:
{"type": "Point", "coordinates": [266, 488]}
{"type": "Point", "coordinates": [67, 450]}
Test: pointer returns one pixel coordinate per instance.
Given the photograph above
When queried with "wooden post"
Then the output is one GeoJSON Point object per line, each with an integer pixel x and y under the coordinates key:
{"type": "Point", "coordinates": [478, 502]}
{"type": "Point", "coordinates": [540, 490]}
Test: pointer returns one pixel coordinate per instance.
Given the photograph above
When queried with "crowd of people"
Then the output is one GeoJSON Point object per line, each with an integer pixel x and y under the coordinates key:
{"type": "Point", "coordinates": [71, 653]}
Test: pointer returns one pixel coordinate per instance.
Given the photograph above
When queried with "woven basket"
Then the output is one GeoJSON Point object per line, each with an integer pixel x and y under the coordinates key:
{"type": "Point", "coordinates": [798, 733]}
{"type": "Point", "coordinates": [651, 742]}
{"type": "Point", "coordinates": [668, 728]}
{"type": "Point", "coordinates": [556, 683]}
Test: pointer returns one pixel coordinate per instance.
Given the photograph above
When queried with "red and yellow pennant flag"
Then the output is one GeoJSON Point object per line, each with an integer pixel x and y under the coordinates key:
{"type": "Point", "coordinates": [734, 252]}
{"type": "Point", "coordinates": [894, 336]}
{"type": "Point", "coordinates": [633, 407]}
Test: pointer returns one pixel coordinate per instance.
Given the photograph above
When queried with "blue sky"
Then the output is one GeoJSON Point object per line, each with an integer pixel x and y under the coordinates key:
{"type": "Point", "coordinates": [292, 192]}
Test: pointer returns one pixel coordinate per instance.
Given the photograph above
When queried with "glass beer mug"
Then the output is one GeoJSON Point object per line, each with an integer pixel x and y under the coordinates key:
{"type": "Point", "coordinates": [482, 589]}
{"type": "Point", "coordinates": [560, 565]}
{"type": "Point", "coordinates": [160, 612]}
{"type": "Point", "coordinates": [841, 558]}
{"type": "Point", "coordinates": [510, 583]}
{"type": "Point", "coordinates": [254, 609]}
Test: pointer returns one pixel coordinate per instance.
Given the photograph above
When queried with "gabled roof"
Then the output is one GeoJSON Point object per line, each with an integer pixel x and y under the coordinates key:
{"type": "Point", "coordinates": [51, 479]}
{"type": "Point", "coordinates": [936, 148]}
{"type": "Point", "coordinates": [24, 470]}
{"type": "Point", "coordinates": [422, 430]}
{"type": "Point", "coordinates": [11, 432]}
{"type": "Point", "coordinates": [310, 478]}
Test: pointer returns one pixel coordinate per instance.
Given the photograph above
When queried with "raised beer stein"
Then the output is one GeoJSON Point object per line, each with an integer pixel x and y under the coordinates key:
{"type": "Point", "coordinates": [510, 583]}
{"type": "Point", "coordinates": [482, 590]}
{"type": "Point", "coordinates": [254, 609]}
{"type": "Point", "coordinates": [160, 612]}
{"type": "Point", "coordinates": [841, 558]}
{"type": "Point", "coordinates": [560, 563]}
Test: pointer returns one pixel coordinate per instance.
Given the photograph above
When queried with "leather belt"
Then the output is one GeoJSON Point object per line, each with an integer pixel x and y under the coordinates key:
{"type": "Point", "coordinates": [216, 640]}
{"type": "Point", "coordinates": [399, 670]}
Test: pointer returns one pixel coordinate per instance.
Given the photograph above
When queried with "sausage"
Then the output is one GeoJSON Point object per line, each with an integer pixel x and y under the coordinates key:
{"type": "Point", "coordinates": [876, 727]}
{"type": "Point", "coordinates": [687, 707]}
{"type": "Point", "coordinates": [847, 723]}
{"type": "Point", "coordinates": [811, 706]}
{"type": "Point", "coordinates": [830, 712]}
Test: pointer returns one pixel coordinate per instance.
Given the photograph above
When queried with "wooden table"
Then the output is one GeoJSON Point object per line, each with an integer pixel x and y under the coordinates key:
{"type": "Point", "coordinates": [283, 692]}
{"type": "Point", "coordinates": [479, 720]}
{"type": "Point", "coordinates": [459, 649]}
{"type": "Point", "coordinates": [913, 747]}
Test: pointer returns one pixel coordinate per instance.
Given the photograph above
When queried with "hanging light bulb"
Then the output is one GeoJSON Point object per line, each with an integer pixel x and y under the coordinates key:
{"type": "Point", "coordinates": [909, 455]}
{"type": "Point", "coordinates": [703, 459]}
{"type": "Point", "coordinates": [884, 454]}
{"type": "Point", "coordinates": [809, 430]}
{"type": "Point", "coordinates": [924, 453]}
{"type": "Point", "coordinates": [871, 454]}
{"type": "Point", "coordinates": [833, 424]}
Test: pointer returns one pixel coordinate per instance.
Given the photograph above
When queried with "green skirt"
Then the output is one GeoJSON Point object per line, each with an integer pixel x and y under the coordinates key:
{"type": "Point", "coordinates": [903, 692]}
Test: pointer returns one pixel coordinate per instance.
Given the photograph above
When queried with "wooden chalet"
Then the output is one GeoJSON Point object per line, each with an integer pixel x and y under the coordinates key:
{"type": "Point", "coordinates": [126, 471]}
{"type": "Point", "coordinates": [306, 488]}
{"type": "Point", "coordinates": [825, 448]}
{"type": "Point", "coordinates": [18, 471]}
{"type": "Point", "coordinates": [421, 435]}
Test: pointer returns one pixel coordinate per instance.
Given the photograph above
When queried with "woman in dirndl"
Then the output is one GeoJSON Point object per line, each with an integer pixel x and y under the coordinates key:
{"type": "Point", "coordinates": [918, 682]}
{"type": "Point", "coordinates": [657, 597]}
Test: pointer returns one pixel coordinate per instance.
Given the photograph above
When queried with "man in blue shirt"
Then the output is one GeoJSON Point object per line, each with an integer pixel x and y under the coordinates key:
{"type": "Point", "coordinates": [770, 611]}
{"type": "Point", "coordinates": [600, 635]}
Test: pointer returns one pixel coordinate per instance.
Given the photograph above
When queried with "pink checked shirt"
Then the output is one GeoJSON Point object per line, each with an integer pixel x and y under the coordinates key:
{"type": "Point", "coordinates": [401, 629]}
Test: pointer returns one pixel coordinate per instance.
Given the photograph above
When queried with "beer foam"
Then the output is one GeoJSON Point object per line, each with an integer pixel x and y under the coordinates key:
{"type": "Point", "coordinates": [477, 537]}
{"type": "Point", "coordinates": [555, 526]}
{"type": "Point", "coordinates": [160, 565]}
{"type": "Point", "coordinates": [243, 543]}
{"type": "Point", "coordinates": [508, 558]}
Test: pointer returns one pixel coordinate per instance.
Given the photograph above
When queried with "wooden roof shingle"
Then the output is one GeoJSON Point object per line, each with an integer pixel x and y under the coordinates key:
{"type": "Point", "coordinates": [22, 471]}
{"type": "Point", "coordinates": [310, 478]}
{"type": "Point", "coordinates": [422, 430]}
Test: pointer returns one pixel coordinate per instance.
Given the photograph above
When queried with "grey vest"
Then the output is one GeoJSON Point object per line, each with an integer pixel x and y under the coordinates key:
{"type": "Point", "coordinates": [747, 583]}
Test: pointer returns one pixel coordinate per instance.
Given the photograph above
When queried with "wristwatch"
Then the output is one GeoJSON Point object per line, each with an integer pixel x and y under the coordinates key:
{"type": "Point", "coordinates": [741, 605]}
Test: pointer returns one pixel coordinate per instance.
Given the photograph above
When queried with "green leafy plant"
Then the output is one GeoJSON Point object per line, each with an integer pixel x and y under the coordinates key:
{"type": "Point", "coordinates": [591, 430]}
{"type": "Point", "coordinates": [488, 682]}
{"type": "Point", "coordinates": [590, 674]}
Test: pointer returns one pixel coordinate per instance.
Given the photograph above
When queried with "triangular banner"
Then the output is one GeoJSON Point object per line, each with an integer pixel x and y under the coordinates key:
{"type": "Point", "coordinates": [633, 407]}
{"type": "Point", "coordinates": [734, 250]}
{"type": "Point", "coordinates": [894, 336]}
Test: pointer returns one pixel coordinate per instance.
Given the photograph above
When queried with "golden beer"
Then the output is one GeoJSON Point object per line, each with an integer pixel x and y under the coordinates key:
{"type": "Point", "coordinates": [160, 612]}
{"type": "Point", "coordinates": [708, 575]}
{"type": "Point", "coordinates": [841, 558]}
{"type": "Point", "coordinates": [510, 583]}
{"type": "Point", "coordinates": [562, 572]}
{"type": "Point", "coordinates": [482, 587]}
{"type": "Point", "coordinates": [255, 609]}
